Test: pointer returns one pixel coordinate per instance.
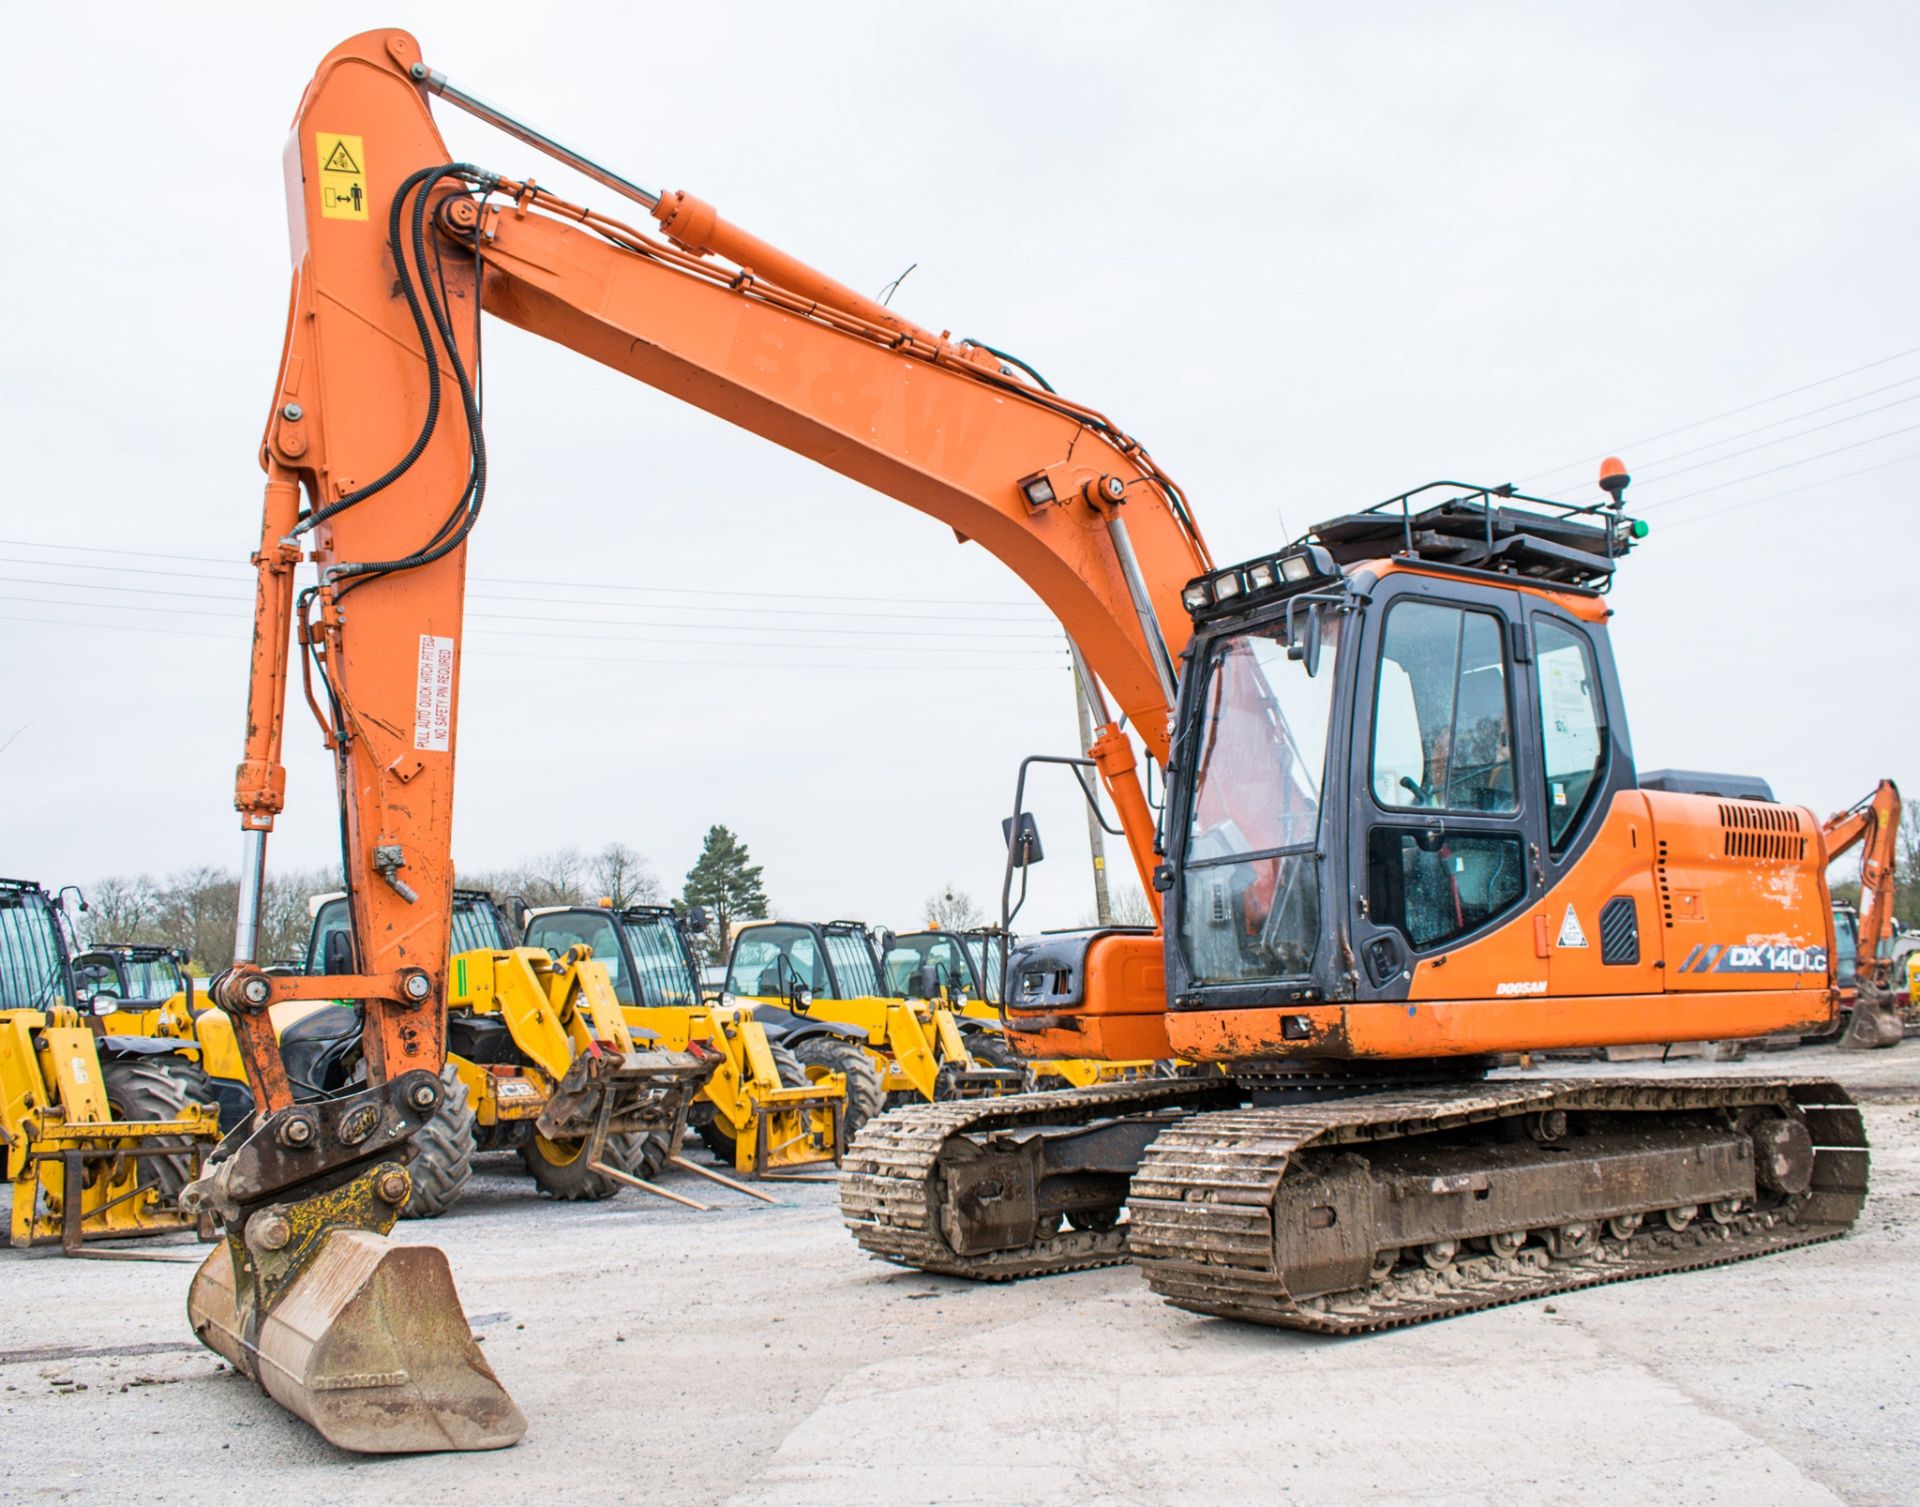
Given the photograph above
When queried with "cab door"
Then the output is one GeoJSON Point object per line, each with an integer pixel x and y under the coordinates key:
{"type": "Point", "coordinates": [1446, 822]}
{"type": "Point", "coordinates": [1598, 923]}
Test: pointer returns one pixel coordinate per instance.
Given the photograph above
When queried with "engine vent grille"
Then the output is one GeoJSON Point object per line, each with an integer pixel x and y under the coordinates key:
{"type": "Point", "coordinates": [1660, 876]}
{"type": "Point", "coordinates": [1770, 833]}
{"type": "Point", "coordinates": [1619, 932]}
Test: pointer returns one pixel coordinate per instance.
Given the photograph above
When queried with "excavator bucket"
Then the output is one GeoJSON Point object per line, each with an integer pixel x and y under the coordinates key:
{"type": "Point", "coordinates": [370, 1345]}
{"type": "Point", "coordinates": [364, 1339]}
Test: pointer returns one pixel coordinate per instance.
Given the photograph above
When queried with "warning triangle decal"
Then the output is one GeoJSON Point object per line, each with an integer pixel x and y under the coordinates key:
{"type": "Point", "coordinates": [1570, 933]}
{"type": "Point", "coordinates": [340, 160]}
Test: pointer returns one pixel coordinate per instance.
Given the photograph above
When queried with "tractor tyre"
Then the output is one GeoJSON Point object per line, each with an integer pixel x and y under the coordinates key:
{"type": "Point", "coordinates": [994, 1050]}
{"type": "Point", "coordinates": [442, 1152]}
{"type": "Point", "coordinates": [717, 1136]}
{"type": "Point", "coordinates": [158, 1088]}
{"type": "Point", "coordinates": [559, 1168]}
{"type": "Point", "coordinates": [865, 1097]}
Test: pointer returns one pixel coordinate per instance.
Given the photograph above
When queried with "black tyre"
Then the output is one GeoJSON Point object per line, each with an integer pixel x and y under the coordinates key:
{"type": "Point", "coordinates": [991, 1049]}
{"type": "Point", "coordinates": [158, 1088]}
{"type": "Point", "coordinates": [443, 1152]}
{"type": "Point", "coordinates": [865, 1097]}
{"type": "Point", "coordinates": [717, 1135]}
{"type": "Point", "coordinates": [559, 1168]}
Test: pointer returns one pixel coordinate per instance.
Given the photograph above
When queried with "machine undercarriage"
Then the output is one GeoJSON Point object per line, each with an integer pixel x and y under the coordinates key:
{"type": "Point", "coordinates": [1364, 1211]}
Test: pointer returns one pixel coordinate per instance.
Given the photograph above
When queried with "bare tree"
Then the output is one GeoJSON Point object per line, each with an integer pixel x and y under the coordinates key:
{"type": "Point", "coordinates": [952, 909]}
{"type": "Point", "coordinates": [1907, 881]}
{"type": "Point", "coordinates": [119, 908]}
{"type": "Point", "coordinates": [556, 878]}
{"type": "Point", "coordinates": [623, 876]}
{"type": "Point", "coordinates": [1128, 908]}
{"type": "Point", "coordinates": [195, 910]}
{"type": "Point", "coordinates": [286, 913]}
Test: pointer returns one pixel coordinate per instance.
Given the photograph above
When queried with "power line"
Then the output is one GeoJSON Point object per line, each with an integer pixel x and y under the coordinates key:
{"type": "Point", "coordinates": [1752, 502]}
{"type": "Point", "coordinates": [665, 626]}
{"type": "Point", "coordinates": [235, 618]}
{"type": "Point", "coordinates": [1642, 479]}
{"type": "Point", "coordinates": [1804, 413]}
{"type": "Point", "coordinates": [501, 596]}
{"type": "Point", "coordinates": [486, 653]}
{"type": "Point", "coordinates": [1728, 414]}
{"type": "Point", "coordinates": [1783, 466]}
{"type": "Point", "coordinates": [570, 584]}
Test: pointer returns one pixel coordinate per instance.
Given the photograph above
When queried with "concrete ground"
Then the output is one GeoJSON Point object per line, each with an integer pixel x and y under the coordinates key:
{"type": "Point", "coordinates": [751, 1356]}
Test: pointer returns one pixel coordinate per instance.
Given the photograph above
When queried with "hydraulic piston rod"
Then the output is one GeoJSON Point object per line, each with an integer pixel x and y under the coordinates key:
{"type": "Point", "coordinates": [538, 140]}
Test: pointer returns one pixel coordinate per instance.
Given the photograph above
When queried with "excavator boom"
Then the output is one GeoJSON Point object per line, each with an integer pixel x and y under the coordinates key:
{"type": "Point", "coordinates": [376, 465]}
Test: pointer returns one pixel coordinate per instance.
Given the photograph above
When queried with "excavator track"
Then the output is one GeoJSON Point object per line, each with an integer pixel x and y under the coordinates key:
{"type": "Point", "coordinates": [890, 1180]}
{"type": "Point", "coordinates": [1216, 1195]}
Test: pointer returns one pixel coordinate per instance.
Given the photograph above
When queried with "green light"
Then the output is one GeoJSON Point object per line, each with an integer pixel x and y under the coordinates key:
{"type": "Point", "coordinates": [1639, 528]}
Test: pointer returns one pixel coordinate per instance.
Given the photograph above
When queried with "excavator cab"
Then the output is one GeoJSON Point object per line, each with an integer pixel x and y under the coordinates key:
{"type": "Point", "coordinates": [1402, 775]}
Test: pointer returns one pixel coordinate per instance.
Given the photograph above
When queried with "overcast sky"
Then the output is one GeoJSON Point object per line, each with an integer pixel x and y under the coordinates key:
{"type": "Point", "coordinates": [1311, 255]}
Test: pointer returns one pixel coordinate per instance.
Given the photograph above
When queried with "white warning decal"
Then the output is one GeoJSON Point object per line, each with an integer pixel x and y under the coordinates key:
{"type": "Point", "coordinates": [433, 697]}
{"type": "Point", "coordinates": [1570, 933]}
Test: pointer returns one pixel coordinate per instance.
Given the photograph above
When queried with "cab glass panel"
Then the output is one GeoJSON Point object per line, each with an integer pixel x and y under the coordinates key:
{"type": "Point", "coordinates": [1250, 902]}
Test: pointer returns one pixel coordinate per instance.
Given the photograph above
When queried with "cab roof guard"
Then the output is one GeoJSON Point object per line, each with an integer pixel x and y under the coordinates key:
{"type": "Point", "coordinates": [1477, 528]}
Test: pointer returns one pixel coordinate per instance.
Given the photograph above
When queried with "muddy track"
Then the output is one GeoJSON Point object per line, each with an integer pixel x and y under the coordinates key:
{"type": "Point", "coordinates": [1202, 1203]}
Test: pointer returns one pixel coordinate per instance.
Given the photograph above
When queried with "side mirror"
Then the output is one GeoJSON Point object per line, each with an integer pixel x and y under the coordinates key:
{"type": "Point", "coordinates": [800, 996]}
{"type": "Point", "coordinates": [926, 982]}
{"type": "Point", "coordinates": [517, 912]}
{"type": "Point", "coordinates": [1432, 837]}
{"type": "Point", "coordinates": [1303, 641]}
{"type": "Point", "coordinates": [1025, 841]}
{"type": "Point", "coordinates": [336, 955]}
{"type": "Point", "coordinates": [886, 939]}
{"type": "Point", "coordinates": [697, 921]}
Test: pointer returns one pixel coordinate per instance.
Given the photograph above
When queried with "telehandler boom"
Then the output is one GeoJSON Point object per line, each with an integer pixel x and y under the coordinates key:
{"type": "Point", "coordinates": [1493, 879]}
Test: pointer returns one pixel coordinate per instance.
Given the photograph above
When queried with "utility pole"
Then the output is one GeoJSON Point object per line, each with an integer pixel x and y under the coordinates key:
{"type": "Point", "coordinates": [1096, 839]}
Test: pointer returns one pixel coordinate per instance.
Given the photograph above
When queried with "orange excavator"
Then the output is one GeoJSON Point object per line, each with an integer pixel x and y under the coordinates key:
{"type": "Point", "coordinates": [1402, 831]}
{"type": "Point", "coordinates": [1869, 994]}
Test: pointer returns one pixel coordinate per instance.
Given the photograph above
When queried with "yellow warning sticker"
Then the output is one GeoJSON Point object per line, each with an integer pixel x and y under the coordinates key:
{"type": "Point", "coordinates": [343, 176]}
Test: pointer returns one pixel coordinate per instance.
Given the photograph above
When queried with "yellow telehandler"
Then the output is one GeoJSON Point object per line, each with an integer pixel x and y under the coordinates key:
{"type": "Point", "coordinates": [963, 969]}
{"type": "Point", "coordinates": [532, 1043]}
{"type": "Point", "coordinates": [539, 1053]}
{"type": "Point", "coordinates": [99, 1133]}
{"type": "Point", "coordinates": [765, 1110]}
{"type": "Point", "coordinates": [820, 982]}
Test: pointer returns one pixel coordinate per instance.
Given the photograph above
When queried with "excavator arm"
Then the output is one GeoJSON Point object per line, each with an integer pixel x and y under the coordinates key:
{"type": "Point", "coordinates": [376, 471]}
{"type": "Point", "coordinates": [376, 460]}
{"type": "Point", "coordinates": [1872, 825]}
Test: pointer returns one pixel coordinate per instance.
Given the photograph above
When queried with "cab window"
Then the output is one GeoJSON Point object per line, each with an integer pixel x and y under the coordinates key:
{"type": "Point", "coordinates": [1573, 724]}
{"type": "Point", "coordinates": [909, 954]}
{"type": "Point", "coordinates": [768, 960]}
{"type": "Point", "coordinates": [31, 977]}
{"type": "Point", "coordinates": [477, 929]}
{"type": "Point", "coordinates": [664, 976]}
{"type": "Point", "coordinates": [567, 929]}
{"type": "Point", "coordinates": [853, 967]}
{"type": "Point", "coordinates": [1438, 886]}
{"type": "Point", "coordinates": [334, 919]}
{"type": "Point", "coordinates": [1442, 734]}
